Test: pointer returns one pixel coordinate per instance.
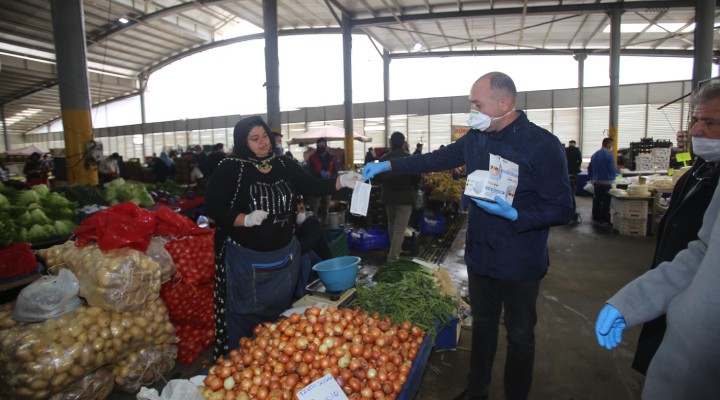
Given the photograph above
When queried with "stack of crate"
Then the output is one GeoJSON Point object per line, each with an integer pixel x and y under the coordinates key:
{"type": "Point", "coordinates": [629, 217]}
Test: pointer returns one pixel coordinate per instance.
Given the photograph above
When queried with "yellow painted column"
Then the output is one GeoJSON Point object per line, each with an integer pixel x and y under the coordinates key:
{"type": "Point", "coordinates": [77, 126]}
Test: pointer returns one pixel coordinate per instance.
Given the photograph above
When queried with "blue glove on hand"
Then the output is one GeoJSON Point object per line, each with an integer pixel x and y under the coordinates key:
{"type": "Point", "coordinates": [374, 168]}
{"type": "Point", "coordinates": [500, 208]}
{"type": "Point", "coordinates": [609, 327]}
{"type": "Point", "coordinates": [324, 174]}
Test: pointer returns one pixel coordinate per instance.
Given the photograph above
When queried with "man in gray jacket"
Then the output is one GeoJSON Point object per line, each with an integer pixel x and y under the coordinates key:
{"type": "Point", "coordinates": [685, 289]}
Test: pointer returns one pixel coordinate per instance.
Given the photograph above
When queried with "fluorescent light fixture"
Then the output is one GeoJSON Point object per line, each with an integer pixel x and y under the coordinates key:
{"type": "Point", "coordinates": [417, 47]}
{"type": "Point", "coordinates": [676, 27]}
{"type": "Point", "coordinates": [123, 20]}
{"type": "Point", "coordinates": [374, 128]}
{"type": "Point", "coordinates": [28, 112]}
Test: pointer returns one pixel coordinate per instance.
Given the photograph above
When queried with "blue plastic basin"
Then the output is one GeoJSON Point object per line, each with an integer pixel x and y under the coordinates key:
{"type": "Point", "coordinates": [339, 273]}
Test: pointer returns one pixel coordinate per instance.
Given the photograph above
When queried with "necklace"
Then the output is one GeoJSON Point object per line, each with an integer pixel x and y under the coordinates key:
{"type": "Point", "coordinates": [260, 164]}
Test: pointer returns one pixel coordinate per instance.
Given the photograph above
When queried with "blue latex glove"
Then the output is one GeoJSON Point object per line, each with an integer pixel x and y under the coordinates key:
{"type": "Point", "coordinates": [324, 174]}
{"type": "Point", "coordinates": [609, 327]}
{"type": "Point", "coordinates": [500, 208]}
{"type": "Point", "coordinates": [374, 168]}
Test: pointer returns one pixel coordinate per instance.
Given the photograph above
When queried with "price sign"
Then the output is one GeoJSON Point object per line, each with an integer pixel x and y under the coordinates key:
{"type": "Point", "coordinates": [325, 388]}
{"type": "Point", "coordinates": [683, 157]}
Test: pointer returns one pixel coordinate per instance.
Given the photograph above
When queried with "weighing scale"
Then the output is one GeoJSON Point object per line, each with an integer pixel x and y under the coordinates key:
{"type": "Point", "coordinates": [318, 293]}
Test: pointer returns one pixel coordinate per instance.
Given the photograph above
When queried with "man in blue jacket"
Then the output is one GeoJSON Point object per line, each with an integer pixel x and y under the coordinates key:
{"type": "Point", "coordinates": [602, 172]}
{"type": "Point", "coordinates": [506, 245]}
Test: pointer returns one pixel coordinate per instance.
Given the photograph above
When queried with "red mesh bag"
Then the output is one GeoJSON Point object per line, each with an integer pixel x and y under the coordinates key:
{"type": "Point", "coordinates": [122, 225]}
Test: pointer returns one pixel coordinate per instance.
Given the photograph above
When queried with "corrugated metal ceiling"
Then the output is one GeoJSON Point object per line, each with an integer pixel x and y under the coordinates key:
{"type": "Point", "coordinates": [160, 31]}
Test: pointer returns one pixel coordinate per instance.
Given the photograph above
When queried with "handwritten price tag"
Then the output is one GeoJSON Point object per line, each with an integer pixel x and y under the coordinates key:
{"type": "Point", "coordinates": [324, 388]}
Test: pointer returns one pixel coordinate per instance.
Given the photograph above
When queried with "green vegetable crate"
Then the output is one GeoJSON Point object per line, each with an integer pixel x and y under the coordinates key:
{"type": "Point", "coordinates": [338, 242]}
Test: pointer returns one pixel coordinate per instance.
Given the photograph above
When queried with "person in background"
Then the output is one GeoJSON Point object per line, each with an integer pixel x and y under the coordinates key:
{"type": "Point", "coordinates": [506, 245]}
{"type": "Point", "coordinates": [214, 158]}
{"type": "Point", "coordinates": [47, 164]}
{"type": "Point", "coordinates": [4, 173]}
{"type": "Point", "coordinates": [321, 164]}
{"type": "Point", "coordinates": [252, 197]}
{"type": "Point", "coordinates": [574, 160]}
{"type": "Point", "coordinates": [314, 246]}
{"type": "Point", "coordinates": [33, 170]}
{"type": "Point", "coordinates": [398, 196]}
{"type": "Point", "coordinates": [278, 149]}
{"type": "Point", "coordinates": [689, 200]}
{"type": "Point", "coordinates": [602, 173]}
{"type": "Point", "coordinates": [108, 168]}
{"type": "Point", "coordinates": [199, 159]}
{"type": "Point", "coordinates": [164, 167]}
{"type": "Point", "coordinates": [369, 156]}
{"type": "Point", "coordinates": [418, 149]}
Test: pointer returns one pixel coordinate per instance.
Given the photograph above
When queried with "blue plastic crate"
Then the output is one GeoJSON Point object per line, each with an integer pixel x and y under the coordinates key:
{"type": "Point", "coordinates": [432, 224]}
{"type": "Point", "coordinates": [446, 338]}
{"type": "Point", "coordinates": [372, 239]}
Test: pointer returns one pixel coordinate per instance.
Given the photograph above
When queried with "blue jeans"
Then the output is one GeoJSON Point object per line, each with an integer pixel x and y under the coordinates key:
{"type": "Point", "coordinates": [488, 298]}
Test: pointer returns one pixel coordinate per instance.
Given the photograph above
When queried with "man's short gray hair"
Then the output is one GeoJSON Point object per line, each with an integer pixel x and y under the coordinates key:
{"type": "Point", "coordinates": [502, 84]}
{"type": "Point", "coordinates": [706, 94]}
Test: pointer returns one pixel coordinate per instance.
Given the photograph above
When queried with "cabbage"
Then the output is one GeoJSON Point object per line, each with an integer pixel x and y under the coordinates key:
{"type": "Point", "coordinates": [37, 216]}
{"type": "Point", "coordinates": [25, 220]}
{"type": "Point", "coordinates": [41, 233]}
{"type": "Point", "coordinates": [42, 190]}
{"type": "Point", "coordinates": [27, 197]}
{"type": "Point", "coordinates": [64, 227]}
{"type": "Point", "coordinates": [4, 202]}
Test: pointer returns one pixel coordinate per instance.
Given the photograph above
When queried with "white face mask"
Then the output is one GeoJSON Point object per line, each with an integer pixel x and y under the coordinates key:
{"type": "Point", "coordinates": [708, 149]}
{"type": "Point", "coordinates": [482, 121]}
{"type": "Point", "coordinates": [300, 218]}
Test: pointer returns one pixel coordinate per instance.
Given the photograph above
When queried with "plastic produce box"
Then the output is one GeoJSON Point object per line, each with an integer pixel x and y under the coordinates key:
{"type": "Point", "coordinates": [372, 239]}
{"type": "Point", "coordinates": [432, 224]}
{"type": "Point", "coordinates": [337, 241]}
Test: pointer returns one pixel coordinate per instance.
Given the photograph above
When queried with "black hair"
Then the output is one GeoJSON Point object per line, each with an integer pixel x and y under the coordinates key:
{"type": "Point", "coordinates": [396, 140]}
{"type": "Point", "coordinates": [240, 135]}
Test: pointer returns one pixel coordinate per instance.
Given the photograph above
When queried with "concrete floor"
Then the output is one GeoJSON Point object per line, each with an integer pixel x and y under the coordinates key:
{"type": "Point", "coordinates": [588, 265]}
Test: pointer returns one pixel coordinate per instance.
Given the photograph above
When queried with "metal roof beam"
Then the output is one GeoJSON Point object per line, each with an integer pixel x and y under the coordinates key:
{"type": "Point", "coordinates": [546, 52]}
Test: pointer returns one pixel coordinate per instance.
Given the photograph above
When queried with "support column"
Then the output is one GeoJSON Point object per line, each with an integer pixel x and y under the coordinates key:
{"type": "Point", "coordinates": [5, 132]}
{"type": "Point", "coordinates": [347, 80]}
{"type": "Point", "coordinates": [74, 87]}
{"type": "Point", "coordinates": [272, 63]}
{"type": "Point", "coordinates": [614, 77]}
{"type": "Point", "coordinates": [386, 94]}
{"type": "Point", "coordinates": [580, 58]}
{"type": "Point", "coordinates": [703, 39]}
{"type": "Point", "coordinates": [143, 122]}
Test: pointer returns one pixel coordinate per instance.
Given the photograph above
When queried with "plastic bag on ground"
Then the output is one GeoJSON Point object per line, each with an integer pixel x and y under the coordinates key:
{"type": "Point", "coordinates": [176, 389]}
{"type": "Point", "coordinates": [48, 297]}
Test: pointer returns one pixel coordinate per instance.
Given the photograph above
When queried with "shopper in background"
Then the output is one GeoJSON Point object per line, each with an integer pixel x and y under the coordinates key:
{"type": "Point", "coordinates": [506, 245]}
{"type": "Point", "coordinates": [690, 198]}
{"type": "Point", "coordinates": [199, 159]}
{"type": "Point", "coordinates": [163, 167]}
{"type": "Point", "coordinates": [602, 172]}
{"type": "Point", "coordinates": [321, 164]}
{"type": "Point", "coordinates": [33, 169]}
{"type": "Point", "coordinates": [108, 168]}
{"type": "Point", "coordinates": [278, 149]}
{"type": "Point", "coordinates": [418, 149]}
{"type": "Point", "coordinates": [574, 160]}
{"type": "Point", "coordinates": [213, 159]}
{"type": "Point", "coordinates": [314, 246]}
{"type": "Point", "coordinates": [398, 196]}
{"type": "Point", "coordinates": [369, 156]}
{"type": "Point", "coordinates": [252, 199]}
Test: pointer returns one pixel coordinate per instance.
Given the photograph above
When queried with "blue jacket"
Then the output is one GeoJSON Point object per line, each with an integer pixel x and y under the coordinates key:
{"type": "Point", "coordinates": [494, 246]}
{"type": "Point", "coordinates": [602, 166]}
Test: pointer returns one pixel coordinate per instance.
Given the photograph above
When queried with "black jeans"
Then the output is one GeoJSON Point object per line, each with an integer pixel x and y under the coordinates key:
{"type": "Point", "coordinates": [601, 202]}
{"type": "Point", "coordinates": [488, 298]}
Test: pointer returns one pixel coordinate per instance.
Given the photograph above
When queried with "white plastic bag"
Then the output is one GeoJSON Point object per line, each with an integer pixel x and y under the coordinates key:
{"type": "Point", "coordinates": [589, 188]}
{"type": "Point", "coordinates": [48, 297]}
{"type": "Point", "coordinates": [176, 389]}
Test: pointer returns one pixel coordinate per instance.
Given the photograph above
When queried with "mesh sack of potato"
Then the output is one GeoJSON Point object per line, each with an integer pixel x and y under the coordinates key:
{"type": "Point", "coordinates": [97, 385]}
{"type": "Point", "coordinates": [144, 367]}
{"type": "Point", "coordinates": [156, 250]}
{"type": "Point", "coordinates": [115, 280]}
{"type": "Point", "coordinates": [38, 360]}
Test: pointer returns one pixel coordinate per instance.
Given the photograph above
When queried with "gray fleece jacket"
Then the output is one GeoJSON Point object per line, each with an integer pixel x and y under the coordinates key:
{"type": "Point", "coordinates": [687, 289]}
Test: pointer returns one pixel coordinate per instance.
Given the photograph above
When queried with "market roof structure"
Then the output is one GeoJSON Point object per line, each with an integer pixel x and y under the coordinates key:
{"type": "Point", "coordinates": [129, 39]}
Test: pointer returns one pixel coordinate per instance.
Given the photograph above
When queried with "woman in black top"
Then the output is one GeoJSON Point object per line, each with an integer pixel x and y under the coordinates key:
{"type": "Point", "coordinates": [252, 197]}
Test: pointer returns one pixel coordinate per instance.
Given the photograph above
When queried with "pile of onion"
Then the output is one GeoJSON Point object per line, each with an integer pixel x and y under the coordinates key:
{"type": "Point", "coordinates": [369, 357]}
